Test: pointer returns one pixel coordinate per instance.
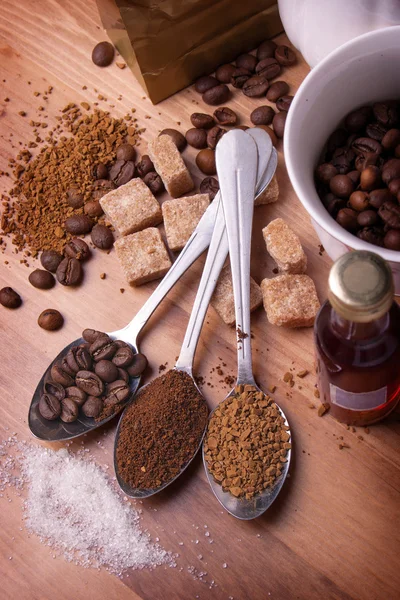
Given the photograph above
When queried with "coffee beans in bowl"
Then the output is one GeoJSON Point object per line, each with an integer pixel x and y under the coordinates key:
{"type": "Point", "coordinates": [358, 176]}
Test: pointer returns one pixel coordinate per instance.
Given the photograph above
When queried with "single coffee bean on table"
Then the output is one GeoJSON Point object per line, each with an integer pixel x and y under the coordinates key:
{"type": "Point", "coordinates": [202, 121]}
{"type": "Point", "coordinates": [269, 68]}
{"type": "Point", "coordinates": [41, 279]}
{"type": "Point", "coordinates": [177, 137]}
{"type": "Point", "coordinates": [284, 102]}
{"type": "Point", "coordinates": [262, 115]}
{"type": "Point", "coordinates": [102, 237]}
{"type": "Point", "coordinates": [214, 135]}
{"type": "Point", "coordinates": [217, 95]}
{"type": "Point", "coordinates": [77, 248]}
{"type": "Point", "coordinates": [255, 86]}
{"type": "Point", "coordinates": [266, 50]}
{"type": "Point", "coordinates": [9, 298]}
{"type": "Point", "coordinates": [122, 171]}
{"type": "Point", "coordinates": [51, 320]}
{"type": "Point", "coordinates": [205, 160]}
{"type": "Point", "coordinates": [225, 116]}
{"type": "Point", "coordinates": [209, 186]}
{"type": "Point", "coordinates": [144, 166]}
{"type": "Point", "coordinates": [125, 152]}
{"type": "Point", "coordinates": [50, 259]}
{"type": "Point", "coordinates": [285, 56]}
{"type": "Point", "coordinates": [154, 183]}
{"type": "Point", "coordinates": [247, 61]}
{"type": "Point", "coordinates": [79, 224]}
{"type": "Point", "coordinates": [197, 138]}
{"type": "Point", "coordinates": [277, 90]}
{"type": "Point", "coordinates": [205, 83]}
{"type": "Point", "coordinates": [103, 54]}
{"type": "Point", "coordinates": [224, 73]}
{"type": "Point", "coordinates": [278, 123]}
{"type": "Point", "coordinates": [69, 271]}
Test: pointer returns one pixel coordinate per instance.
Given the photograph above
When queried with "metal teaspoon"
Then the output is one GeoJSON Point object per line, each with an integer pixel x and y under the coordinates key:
{"type": "Point", "coordinates": [236, 157]}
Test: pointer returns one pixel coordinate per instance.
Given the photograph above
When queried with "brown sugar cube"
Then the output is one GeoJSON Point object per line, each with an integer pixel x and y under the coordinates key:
{"type": "Point", "coordinates": [222, 299]}
{"type": "Point", "coordinates": [170, 166]}
{"type": "Point", "coordinates": [284, 246]}
{"type": "Point", "coordinates": [270, 194]}
{"type": "Point", "coordinates": [143, 256]}
{"type": "Point", "coordinates": [181, 217]}
{"type": "Point", "coordinates": [131, 207]}
{"type": "Point", "coordinates": [290, 300]}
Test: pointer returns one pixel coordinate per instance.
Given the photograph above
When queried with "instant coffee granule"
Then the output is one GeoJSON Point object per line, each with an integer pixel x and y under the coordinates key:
{"type": "Point", "coordinates": [161, 431]}
{"type": "Point", "coordinates": [246, 443]}
{"type": "Point", "coordinates": [36, 207]}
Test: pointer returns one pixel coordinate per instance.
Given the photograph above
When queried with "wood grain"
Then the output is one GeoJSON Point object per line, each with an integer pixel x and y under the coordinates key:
{"type": "Point", "coordinates": [334, 532]}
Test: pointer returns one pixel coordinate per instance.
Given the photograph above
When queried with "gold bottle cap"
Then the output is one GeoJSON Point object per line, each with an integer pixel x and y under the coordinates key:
{"type": "Point", "coordinates": [361, 286]}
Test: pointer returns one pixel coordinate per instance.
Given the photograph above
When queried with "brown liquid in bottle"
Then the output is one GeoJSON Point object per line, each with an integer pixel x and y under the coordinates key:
{"type": "Point", "coordinates": [358, 365]}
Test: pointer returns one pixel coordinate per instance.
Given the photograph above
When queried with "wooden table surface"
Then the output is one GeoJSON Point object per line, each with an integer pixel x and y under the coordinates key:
{"type": "Point", "coordinates": [334, 531]}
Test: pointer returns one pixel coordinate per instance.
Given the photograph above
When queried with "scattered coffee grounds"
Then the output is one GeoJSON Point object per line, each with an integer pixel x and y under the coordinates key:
{"type": "Point", "coordinates": [37, 207]}
{"type": "Point", "coordinates": [161, 431]}
{"type": "Point", "coordinates": [323, 409]}
{"type": "Point", "coordinates": [75, 509]}
{"type": "Point", "coordinates": [93, 376]}
{"type": "Point", "coordinates": [246, 443]}
{"type": "Point", "coordinates": [358, 178]}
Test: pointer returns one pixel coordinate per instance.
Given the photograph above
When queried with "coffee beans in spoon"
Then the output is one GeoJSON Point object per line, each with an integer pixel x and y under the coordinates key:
{"type": "Point", "coordinates": [91, 383]}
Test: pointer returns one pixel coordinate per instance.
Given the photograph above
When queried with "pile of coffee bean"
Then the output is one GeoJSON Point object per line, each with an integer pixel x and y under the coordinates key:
{"type": "Point", "coordinates": [358, 178]}
{"type": "Point", "coordinates": [92, 378]}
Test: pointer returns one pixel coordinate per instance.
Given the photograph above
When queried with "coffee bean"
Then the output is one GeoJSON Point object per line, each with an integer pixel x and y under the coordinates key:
{"type": "Point", "coordinates": [102, 237]}
{"type": "Point", "coordinates": [337, 139]}
{"type": "Point", "coordinates": [117, 391]}
{"type": "Point", "coordinates": [41, 279]}
{"type": "Point", "coordinates": [78, 224]}
{"type": "Point", "coordinates": [9, 298]}
{"type": "Point", "coordinates": [266, 49]}
{"type": "Point", "coordinates": [270, 132]}
{"type": "Point", "coordinates": [75, 197]}
{"type": "Point", "coordinates": [370, 179]}
{"type": "Point", "coordinates": [378, 197]}
{"type": "Point", "coordinates": [367, 218]}
{"type": "Point", "coordinates": [269, 68]}
{"type": "Point", "coordinates": [138, 365]}
{"type": "Point", "coordinates": [79, 359]}
{"type": "Point", "coordinates": [125, 152]}
{"type": "Point", "coordinates": [49, 407]}
{"type": "Point", "coordinates": [93, 209]}
{"type": "Point", "coordinates": [341, 159]}
{"type": "Point", "coordinates": [224, 74]}
{"type": "Point", "coordinates": [356, 120]}
{"type": "Point", "coordinates": [334, 205]}
{"type": "Point", "coordinates": [391, 139]}
{"type": "Point", "coordinates": [217, 95]}
{"type": "Point", "coordinates": [69, 410]}
{"type": "Point", "coordinates": [89, 382]}
{"type": "Point", "coordinates": [341, 186]}
{"type": "Point", "coordinates": [154, 183]}
{"type": "Point", "coordinates": [209, 186]}
{"type": "Point", "coordinates": [277, 90]}
{"type": "Point", "coordinates": [77, 248]}
{"type": "Point", "coordinates": [144, 166]}
{"type": "Point", "coordinates": [58, 375]}
{"type": "Point", "coordinates": [101, 187]}
{"type": "Point", "coordinates": [256, 86]}
{"type": "Point", "coordinates": [239, 77]}
{"type": "Point", "coordinates": [103, 54]}
{"type": "Point", "coordinates": [121, 344]}
{"type": "Point", "coordinates": [225, 116]}
{"type": "Point", "coordinates": [387, 114]}
{"type": "Point", "coordinates": [366, 160]}
{"type": "Point", "coordinates": [391, 170]}
{"type": "Point", "coordinates": [262, 115]}
{"type": "Point", "coordinates": [55, 389]}
{"type": "Point", "coordinates": [177, 137]}
{"type": "Point", "coordinates": [103, 348]}
{"type": "Point", "coordinates": [278, 123]}
{"type": "Point", "coordinates": [364, 145]}
{"type": "Point", "coordinates": [89, 335]}
{"type": "Point", "coordinates": [325, 172]}
{"type": "Point", "coordinates": [246, 61]}
{"type": "Point", "coordinates": [389, 212]}
{"type": "Point", "coordinates": [359, 201]}
{"type": "Point", "coordinates": [65, 367]}
{"type": "Point", "coordinates": [354, 176]}
{"type": "Point", "coordinates": [347, 218]}
{"type": "Point", "coordinates": [392, 239]}
{"type": "Point", "coordinates": [205, 83]}
{"type": "Point", "coordinates": [214, 135]}
{"type": "Point", "coordinates": [76, 394]}
{"type": "Point", "coordinates": [197, 138]}
{"type": "Point", "coordinates": [69, 271]}
{"type": "Point", "coordinates": [51, 320]}
{"type": "Point", "coordinates": [50, 260]}
{"type": "Point", "coordinates": [376, 131]}
{"type": "Point", "coordinates": [100, 171]}
{"type": "Point", "coordinates": [122, 171]}
{"type": "Point", "coordinates": [92, 407]}
{"type": "Point", "coordinates": [202, 120]}
{"type": "Point", "coordinates": [205, 160]}
{"type": "Point", "coordinates": [394, 186]}
{"type": "Point", "coordinates": [122, 374]}
{"type": "Point", "coordinates": [284, 103]}
{"type": "Point", "coordinates": [285, 56]}
{"type": "Point", "coordinates": [373, 235]}
{"type": "Point", "coordinates": [123, 357]}
{"type": "Point", "coordinates": [106, 370]}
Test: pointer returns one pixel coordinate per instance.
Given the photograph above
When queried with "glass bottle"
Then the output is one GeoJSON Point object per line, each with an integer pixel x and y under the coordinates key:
{"type": "Point", "coordinates": [357, 340]}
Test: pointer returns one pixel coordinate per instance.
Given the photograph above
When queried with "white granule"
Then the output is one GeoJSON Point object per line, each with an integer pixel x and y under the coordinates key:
{"type": "Point", "coordinates": [74, 508]}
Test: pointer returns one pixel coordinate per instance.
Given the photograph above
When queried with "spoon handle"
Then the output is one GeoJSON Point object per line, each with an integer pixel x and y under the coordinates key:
{"type": "Point", "coordinates": [236, 160]}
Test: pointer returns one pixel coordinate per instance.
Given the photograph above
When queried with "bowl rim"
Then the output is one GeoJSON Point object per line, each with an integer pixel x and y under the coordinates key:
{"type": "Point", "coordinates": [328, 223]}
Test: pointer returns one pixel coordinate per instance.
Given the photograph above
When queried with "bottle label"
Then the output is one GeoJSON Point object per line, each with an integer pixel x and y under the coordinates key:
{"type": "Point", "coordinates": [352, 401]}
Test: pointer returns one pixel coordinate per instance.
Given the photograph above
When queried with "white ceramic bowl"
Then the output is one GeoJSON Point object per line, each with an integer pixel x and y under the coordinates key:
{"type": "Point", "coordinates": [361, 71]}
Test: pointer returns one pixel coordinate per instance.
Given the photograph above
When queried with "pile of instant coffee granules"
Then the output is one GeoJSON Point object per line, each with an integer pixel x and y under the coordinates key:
{"type": "Point", "coordinates": [247, 442]}
{"type": "Point", "coordinates": [36, 207]}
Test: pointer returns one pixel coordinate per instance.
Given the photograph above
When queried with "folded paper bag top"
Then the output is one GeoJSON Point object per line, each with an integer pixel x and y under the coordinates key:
{"type": "Point", "coordinates": [168, 44]}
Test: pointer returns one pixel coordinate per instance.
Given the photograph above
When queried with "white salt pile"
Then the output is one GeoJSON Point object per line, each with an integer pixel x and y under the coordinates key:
{"type": "Point", "coordinates": [74, 508]}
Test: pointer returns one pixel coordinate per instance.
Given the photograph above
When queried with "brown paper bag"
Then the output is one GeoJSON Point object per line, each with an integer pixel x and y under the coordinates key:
{"type": "Point", "coordinates": [169, 43]}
